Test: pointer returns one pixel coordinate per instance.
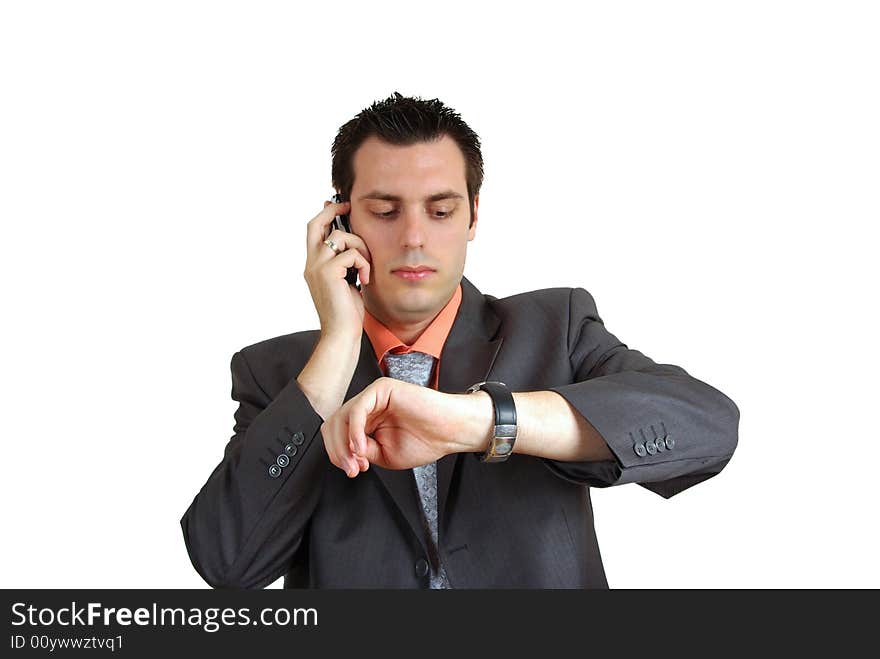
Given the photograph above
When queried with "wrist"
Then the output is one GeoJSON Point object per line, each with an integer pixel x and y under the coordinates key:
{"type": "Point", "coordinates": [504, 433]}
{"type": "Point", "coordinates": [341, 340]}
{"type": "Point", "coordinates": [326, 376]}
{"type": "Point", "coordinates": [477, 422]}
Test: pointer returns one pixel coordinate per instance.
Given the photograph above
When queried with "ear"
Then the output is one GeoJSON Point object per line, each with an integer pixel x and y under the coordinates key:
{"type": "Point", "coordinates": [473, 229]}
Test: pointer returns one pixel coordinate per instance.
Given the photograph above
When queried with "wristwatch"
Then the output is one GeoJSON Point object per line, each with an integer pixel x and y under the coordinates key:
{"type": "Point", "coordinates": [501, 445]}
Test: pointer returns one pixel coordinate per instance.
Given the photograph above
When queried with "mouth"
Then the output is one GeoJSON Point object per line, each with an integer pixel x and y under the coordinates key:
{"type": "Point", "coordinates": [414, 274]}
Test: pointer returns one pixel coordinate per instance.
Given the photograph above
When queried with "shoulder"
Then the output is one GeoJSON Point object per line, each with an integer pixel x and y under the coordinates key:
{"type": "Point", "coordinates": [280, 357]}
{"type": "Point", "coordinates": [546, 303]}
{"type": "Point", "coordinates": [273, 362]}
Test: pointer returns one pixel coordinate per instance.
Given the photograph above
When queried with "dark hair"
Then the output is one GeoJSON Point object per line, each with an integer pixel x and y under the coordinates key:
{"type": "Point", "coordinates": [403, 121]}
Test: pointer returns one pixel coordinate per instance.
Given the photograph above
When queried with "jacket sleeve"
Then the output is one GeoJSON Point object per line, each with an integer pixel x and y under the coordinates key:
{"type": "Point", "coordinates": [667, 430]}
{"type": "Point", "coordinates": [246, 524]}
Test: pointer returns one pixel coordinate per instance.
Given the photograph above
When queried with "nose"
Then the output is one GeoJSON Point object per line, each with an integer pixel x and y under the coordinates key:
{"type": "Point", "coordinates": [412, 228]}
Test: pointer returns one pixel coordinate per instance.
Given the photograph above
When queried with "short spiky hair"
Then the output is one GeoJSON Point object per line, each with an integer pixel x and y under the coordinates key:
{"type": "Point", "coordinates": [402, 121]}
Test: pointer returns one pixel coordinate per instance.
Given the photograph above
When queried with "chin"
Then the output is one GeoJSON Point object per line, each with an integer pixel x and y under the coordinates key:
{"type": "Point", "coordinates": [413, 299]}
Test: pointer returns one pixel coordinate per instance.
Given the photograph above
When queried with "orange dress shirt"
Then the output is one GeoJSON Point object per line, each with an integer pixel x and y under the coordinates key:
{"type": "Point", "coordinates": [430, 342]}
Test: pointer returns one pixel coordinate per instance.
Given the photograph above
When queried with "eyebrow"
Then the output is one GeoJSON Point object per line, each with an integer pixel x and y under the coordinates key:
{"type": "Point", "coordinates": [437, 196]}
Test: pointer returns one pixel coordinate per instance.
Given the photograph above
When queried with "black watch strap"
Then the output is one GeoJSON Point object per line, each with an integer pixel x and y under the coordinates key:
{"type": "Point", "coordinates": [504, 435]}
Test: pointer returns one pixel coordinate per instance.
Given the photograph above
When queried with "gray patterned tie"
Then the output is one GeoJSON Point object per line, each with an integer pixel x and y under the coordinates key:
{"type": "Point", "coordinates": [416, 367]}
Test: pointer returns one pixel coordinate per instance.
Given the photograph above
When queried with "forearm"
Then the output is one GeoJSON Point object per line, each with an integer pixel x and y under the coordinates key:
{"type": "Point", "coordinates": [247, 521]}
{"type": "Point", "coordinates": [547, 427]}
{"type": "Point", "coordinates": [327, 375]}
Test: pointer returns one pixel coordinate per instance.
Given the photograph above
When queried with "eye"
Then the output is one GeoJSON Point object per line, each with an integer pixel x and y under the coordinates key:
{"type": "Point", "coordinates": [388, 214]}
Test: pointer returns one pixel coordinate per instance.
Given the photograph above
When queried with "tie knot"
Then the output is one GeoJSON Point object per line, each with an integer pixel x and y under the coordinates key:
{"type": "Point", "coordinates": [414, 367]}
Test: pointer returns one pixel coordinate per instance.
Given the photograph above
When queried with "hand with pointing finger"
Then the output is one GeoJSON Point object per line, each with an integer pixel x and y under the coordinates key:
{"type": "Point", "coordinates": [399, 425]}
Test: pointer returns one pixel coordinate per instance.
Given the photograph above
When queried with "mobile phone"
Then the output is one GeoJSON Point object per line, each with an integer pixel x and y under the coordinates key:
{"type": "Point", "coordinates": [342, 223]}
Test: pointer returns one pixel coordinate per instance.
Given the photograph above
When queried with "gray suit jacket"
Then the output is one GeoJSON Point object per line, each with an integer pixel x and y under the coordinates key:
{"type": "Point", "coordinates": [524, 523]}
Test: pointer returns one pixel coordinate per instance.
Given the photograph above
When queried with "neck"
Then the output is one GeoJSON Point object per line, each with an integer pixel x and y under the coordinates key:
{"type": "Point", "coordinates": [407, 330]}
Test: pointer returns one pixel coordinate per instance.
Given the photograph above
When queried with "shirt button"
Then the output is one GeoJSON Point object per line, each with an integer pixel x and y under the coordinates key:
{"type": "Point", "coordinates": [274, 471]}
{"type": "Point", "coordinates": [282, 460]}
{"type": "Point", "coordinates": [421, 567]}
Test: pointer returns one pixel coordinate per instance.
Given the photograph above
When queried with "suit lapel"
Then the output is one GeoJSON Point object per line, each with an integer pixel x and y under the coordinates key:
{"type": "Point", "coordinates": [467, 358]}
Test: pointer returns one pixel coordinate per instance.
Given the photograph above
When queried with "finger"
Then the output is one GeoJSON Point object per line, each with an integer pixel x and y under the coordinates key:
{"type": "Point", "coordinates": [347, 240]}
{"type": "Point", "coordinates": [347, 259]}
{"type": "Point", "coordinates": [344, 241]}
{"type": "Point", "coordinates": [357, 421]}
{"type": "Point", "coordinates": [348, 464]}
{"type": "Point", "coordinates": [363, 461]}
{"type": "Point", "coordinates": [330, 210]}
{"type": "Point", "coordinates": [317, 226]}
{"type": "Point", "coordinates": [344, 461]}
{"type": "Point", "coordinates": [372, 452]}
{"type": "Point", "coordinates": [340, 459]}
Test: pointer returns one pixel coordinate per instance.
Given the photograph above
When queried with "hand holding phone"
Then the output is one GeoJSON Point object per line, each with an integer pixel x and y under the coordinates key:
{"type": "Point", "coordinates": [339, 304]}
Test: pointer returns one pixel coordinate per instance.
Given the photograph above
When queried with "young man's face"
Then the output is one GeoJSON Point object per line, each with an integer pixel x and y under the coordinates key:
{"type": "Point", "coordinates": [410, 206]}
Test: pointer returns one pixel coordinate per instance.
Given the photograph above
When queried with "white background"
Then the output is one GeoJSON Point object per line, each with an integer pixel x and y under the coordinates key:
{"type": "Point", "coordinates": [708, 171]}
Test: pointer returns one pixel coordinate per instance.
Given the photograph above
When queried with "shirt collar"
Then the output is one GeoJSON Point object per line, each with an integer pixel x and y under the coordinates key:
{"type": "Point", "coordinates": [430, 342]}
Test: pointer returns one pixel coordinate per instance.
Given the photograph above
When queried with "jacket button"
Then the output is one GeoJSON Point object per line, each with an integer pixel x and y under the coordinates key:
{"type": "Point", "coordinates": [650, 447]}
{"type": "Point", "coordinates": [421, 567]}
{"type": "Point", "coordinates": [282, 460]}
{"type": "Point", "coordinates": [669, 442]}
{"type": "Point", "coordinates": [290, 448]}
{"type": "Point", "coordinates": [661, 445]}
{"type": "Point", "coordinates": [298, 438]}
{"type": "Point", "coordinates": [640, 450]}
{"type": "Point", "coordinates": [274, 471]}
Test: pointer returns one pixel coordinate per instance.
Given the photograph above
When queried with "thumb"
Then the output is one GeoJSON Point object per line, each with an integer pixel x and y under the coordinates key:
{"type": "Point", "coordinates": [374, 453]}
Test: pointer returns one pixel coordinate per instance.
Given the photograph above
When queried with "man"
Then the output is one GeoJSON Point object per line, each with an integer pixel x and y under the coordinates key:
{"type": "Point", "coordinates": [359, 458]}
